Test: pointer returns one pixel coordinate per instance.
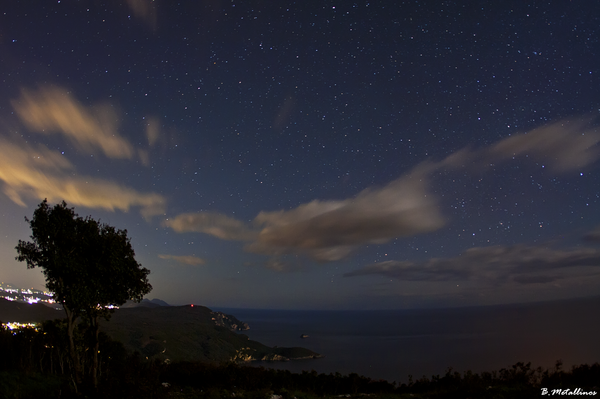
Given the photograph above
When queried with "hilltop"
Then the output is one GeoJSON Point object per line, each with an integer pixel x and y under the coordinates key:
{"type": "Point", "coordinates": [145, 303]}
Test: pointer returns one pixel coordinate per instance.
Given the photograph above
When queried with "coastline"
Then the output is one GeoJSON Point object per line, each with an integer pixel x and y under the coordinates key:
{"type": "Point", "coordinates": [392, 344]}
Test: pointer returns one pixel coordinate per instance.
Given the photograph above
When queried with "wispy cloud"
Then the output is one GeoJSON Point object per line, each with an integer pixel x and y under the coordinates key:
{"type": "Point", "coordinates": [279, 265]}
{"type": "Point", "coordinates": [331, 230]}
{"type": "Point", "coordinates": [215, 224]}
{"type": "Point", "coordinates": [152, 130]}
{"type": "Point", "coordinates": [327, 230]}
{"type": "Point", "coordinates": [55, 110]}
{"type": "Point", "coordinates": [40, 173]}
{"type": "Point", "coordinates": [496, 265]}
{"type": "Point", "coordinates": [185, 259]}
{"type": "Point", "coordinates": [566, 145]}
{"type": "Point", "coordinates": [144, 10]}
{"type": "Point", "coordinates": [593, 236]}
{"type": "Point", "coordinates": [282, 264]}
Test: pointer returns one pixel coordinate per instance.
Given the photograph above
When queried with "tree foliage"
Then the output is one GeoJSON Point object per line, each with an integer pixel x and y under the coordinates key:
{"type": "Point", "coordinates": [89, 266]}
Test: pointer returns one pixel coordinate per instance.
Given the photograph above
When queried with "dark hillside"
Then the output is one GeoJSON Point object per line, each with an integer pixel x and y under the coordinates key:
{"type": "Point", "coordinates": [170, 332]}
{"type": "Point", "coordinates": [25, 313]}
{"type": "Point", "coordinates": [189, 333]}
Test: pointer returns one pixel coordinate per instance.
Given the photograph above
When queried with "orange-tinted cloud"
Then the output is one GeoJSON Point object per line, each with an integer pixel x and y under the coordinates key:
{"type": "Point", "coordinates": [40, 173]}
{"type": "Point", "coordinates": [55, 110]}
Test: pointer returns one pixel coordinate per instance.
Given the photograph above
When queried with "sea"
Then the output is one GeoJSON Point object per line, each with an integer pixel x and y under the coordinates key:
{"type": "Point", "coordinates": [395, 344]}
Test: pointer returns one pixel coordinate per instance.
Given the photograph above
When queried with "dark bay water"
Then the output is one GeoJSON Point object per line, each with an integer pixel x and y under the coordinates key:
{"type": "Point", "coordinates": [391, 344]}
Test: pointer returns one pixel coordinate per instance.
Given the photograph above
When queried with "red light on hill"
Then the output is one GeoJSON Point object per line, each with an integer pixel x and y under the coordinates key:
{"type": "Point", "coordinates": [192, 305]}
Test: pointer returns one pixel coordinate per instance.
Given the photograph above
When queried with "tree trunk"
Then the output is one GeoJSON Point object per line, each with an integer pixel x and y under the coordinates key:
{"type": "Point", "coordinates": [76, 371]}
{"type": "Point", "coordinates": [95, 331]}
{"type": "Point", "coordinates": [61, 362]}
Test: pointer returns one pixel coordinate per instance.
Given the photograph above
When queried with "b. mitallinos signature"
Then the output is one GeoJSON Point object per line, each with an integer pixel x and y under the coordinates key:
{"type": "Point", "coordinates": [569, 392]}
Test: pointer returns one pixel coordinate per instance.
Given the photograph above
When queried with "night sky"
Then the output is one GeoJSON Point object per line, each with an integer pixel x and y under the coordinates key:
{"type": "Point", "coordinates": [314, 154]}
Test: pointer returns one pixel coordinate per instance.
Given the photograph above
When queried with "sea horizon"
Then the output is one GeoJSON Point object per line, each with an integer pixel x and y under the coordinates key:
{"type": "Point", "coordinates": [393, 344]}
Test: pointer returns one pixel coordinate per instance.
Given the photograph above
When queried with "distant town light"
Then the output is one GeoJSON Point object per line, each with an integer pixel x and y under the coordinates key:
{"type": "Point", "coordinates": [25, 295]}
{"type": "Point", "coordinates": [13, 325]}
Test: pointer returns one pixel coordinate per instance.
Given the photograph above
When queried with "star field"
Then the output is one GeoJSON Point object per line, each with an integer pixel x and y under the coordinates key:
{"type": "Point", "coordinates": [313, 154]}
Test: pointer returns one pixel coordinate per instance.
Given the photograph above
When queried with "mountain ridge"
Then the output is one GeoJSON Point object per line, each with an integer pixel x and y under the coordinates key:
{"type": "Point", "coordinates": [171, 333]}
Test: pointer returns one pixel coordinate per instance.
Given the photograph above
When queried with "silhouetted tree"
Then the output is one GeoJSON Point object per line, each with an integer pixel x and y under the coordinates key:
{"type": "Point", "coordinates": [88, 266]}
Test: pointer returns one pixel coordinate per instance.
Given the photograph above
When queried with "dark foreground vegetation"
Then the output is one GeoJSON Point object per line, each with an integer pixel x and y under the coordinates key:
{"type": "Point", "coordinates": [36, 364]}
